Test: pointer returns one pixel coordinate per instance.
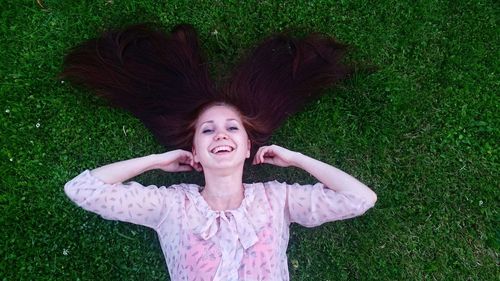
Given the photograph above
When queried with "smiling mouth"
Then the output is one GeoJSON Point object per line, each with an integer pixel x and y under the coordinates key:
{"type": "Point", "coordinates": [222, 149]}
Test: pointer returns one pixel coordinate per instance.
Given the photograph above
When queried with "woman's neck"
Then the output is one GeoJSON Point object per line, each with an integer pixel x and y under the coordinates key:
{"type": "Point", "coordinates": [223, 192]}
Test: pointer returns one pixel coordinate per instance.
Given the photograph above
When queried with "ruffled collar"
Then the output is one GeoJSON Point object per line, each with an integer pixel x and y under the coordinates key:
{"type": "Point", "coordinates": [247, 224]}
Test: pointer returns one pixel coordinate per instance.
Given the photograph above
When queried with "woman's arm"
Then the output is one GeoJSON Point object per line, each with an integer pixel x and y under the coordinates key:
{"type": "Point", "coordinates": [172, 161]}
{"type": "Point", "coordinates": [330, 176]}
{"type": "Point", "coordinates": [101, 190]}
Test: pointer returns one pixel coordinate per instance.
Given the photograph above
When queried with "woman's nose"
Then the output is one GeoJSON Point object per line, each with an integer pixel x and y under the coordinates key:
{"type": "Point", "coordinates": [220, 135]}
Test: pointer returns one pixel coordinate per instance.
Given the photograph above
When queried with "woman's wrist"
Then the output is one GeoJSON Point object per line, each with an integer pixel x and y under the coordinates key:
{"type": "Point", "coordinates": [153, 162]}
{"type": "Point", "coordinates": [297, 159]}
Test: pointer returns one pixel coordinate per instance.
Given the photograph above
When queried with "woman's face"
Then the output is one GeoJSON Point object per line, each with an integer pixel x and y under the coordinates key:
{"type": "Point", "coordinates": [220, 140]}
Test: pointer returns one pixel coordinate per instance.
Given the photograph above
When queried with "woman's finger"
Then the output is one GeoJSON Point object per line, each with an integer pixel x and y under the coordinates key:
{"type": "Point", "coordinates": [197, 166]}
{"type": "Point", "coordinates": [269, 156]}
{"type": "Point", "coordinates": [184, 168]}
{"type": "Point", "coordinates": [262, 153]}
{"type": "Point", "coordinates": [256, 158]}
{"type": "Point", "coordinates": [188, 158]}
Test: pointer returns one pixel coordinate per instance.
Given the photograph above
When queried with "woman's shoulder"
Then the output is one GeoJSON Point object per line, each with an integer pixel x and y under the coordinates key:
{"type": "Point", "coordinates": [185, 188]}
{"type": "Point", "coordinates": [271, 191]}
{"type": "Point", "coordinates": [270, 187]}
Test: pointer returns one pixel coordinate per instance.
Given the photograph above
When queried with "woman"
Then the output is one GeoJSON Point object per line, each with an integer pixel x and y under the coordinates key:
{"type": "Point", "coordinates": [225, 230]}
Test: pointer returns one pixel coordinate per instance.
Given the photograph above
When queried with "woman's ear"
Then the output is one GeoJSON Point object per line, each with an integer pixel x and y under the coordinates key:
{"type": "Point", "coordinates": [195, 156]}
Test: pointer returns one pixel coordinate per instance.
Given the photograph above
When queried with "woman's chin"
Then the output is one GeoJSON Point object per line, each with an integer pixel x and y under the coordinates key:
{"type": "Point", "coordinates": [224, 163]}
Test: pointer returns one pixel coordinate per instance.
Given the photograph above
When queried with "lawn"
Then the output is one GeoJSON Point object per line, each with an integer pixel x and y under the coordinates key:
{"type": "Point", "coordinates": [420, 131]}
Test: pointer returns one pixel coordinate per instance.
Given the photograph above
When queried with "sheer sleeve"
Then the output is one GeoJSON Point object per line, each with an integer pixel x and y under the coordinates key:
{"type": "Point", "coordinates": [313, 205]}
{"type": "Point", "coordinates": [129, 202]}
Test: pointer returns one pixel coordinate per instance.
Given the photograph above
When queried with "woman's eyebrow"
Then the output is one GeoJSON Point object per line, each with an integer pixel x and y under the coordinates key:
{"type": "Point", "coordinates": [212, 121]}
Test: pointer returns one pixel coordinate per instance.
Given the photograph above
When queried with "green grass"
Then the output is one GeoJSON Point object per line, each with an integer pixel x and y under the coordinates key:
{"type": "Point", "coordinates": [421, 132]}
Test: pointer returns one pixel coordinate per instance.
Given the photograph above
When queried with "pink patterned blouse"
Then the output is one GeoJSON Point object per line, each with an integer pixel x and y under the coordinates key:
{"type": "Point", "coordinates": [247, 243]}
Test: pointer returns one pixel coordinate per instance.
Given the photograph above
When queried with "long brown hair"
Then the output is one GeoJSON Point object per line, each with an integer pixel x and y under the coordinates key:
{"type": "Point", "coordinates": [163, 80]}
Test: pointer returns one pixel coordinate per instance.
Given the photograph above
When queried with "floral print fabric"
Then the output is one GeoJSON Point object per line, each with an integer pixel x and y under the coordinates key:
{"type": "Point", "coordinates": [247, 243]}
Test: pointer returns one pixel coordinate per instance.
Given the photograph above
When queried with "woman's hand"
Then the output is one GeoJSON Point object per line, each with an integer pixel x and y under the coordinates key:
{"type": "Point", "coordinates": [275, 155]}
{"type": "Point", "coordinates": [177, 161]}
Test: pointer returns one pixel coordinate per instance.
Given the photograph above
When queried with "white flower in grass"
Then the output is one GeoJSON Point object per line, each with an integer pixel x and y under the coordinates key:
{"type": "Point", "coordinates": [37, 125]}
{"type": "Point", "coordinates": [7, 111]}
{"type": "Point", "coordinates": [11, 159]}
{"type": "Point", "coordinates": [65, 252]}
{"type": "Point", "coordinates": [62, 81]}
{"type": "Point", "coordinates": [480, 202]}
{"type": "Point", "coordinates": [215, 32]}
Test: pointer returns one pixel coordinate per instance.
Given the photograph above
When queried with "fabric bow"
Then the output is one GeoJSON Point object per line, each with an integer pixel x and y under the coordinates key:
{"type": "Point", "coordinates": [245, 231]}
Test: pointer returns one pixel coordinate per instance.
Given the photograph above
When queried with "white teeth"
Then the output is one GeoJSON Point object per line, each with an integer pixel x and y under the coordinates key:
{"type": "Point", "coordinates": [222, 148]}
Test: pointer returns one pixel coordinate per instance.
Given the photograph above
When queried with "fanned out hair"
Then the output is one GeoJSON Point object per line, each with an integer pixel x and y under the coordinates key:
{"type": "Point", "coordinates": [280, 76]}
{"type": "Point", "coordinates": [163, 80]}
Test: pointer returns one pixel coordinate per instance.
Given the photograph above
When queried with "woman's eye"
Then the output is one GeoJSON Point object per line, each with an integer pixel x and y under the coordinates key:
{"type": "Point", "coordinates": [233, 128]}
{"type": "Point", "coordinates": [206, 131]}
